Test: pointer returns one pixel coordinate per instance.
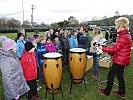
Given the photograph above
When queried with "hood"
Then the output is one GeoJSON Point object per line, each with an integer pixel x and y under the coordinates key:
{"type": "Point", "coordinates": [4, 53]}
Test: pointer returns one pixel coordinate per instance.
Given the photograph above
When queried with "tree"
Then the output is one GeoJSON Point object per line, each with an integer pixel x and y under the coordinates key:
{"type": "Point", "coordinates": [3, 22]}
{"type": "Point", "coordinates": [73, 21]}
{"type": "Point", "coordinates": [13, 23]}
{"type": "Point", "coordinates": [54, 25]}
{"type": "Point", "coordinates": [26, 24]}
{"type": "Point", "coordinates": [61, 24]}
{"type": "Point", "coordinates": [117, 13]}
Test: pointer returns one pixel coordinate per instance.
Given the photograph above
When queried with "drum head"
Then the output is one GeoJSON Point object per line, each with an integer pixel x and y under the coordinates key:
{"type": "Point", "coordinates": [52, 55]}
{"type": "Point", "coordinates": [77, 50]}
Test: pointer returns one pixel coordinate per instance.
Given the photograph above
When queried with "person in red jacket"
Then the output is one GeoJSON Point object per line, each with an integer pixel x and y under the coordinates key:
{"type": "Point", "coordinates": [121, 57]}
{"type": "Point", "coordinates": [29, 67]}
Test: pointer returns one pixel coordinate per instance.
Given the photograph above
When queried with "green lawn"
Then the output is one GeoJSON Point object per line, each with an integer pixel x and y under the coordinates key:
{"type": "Point", "coordinates": [78, 91]}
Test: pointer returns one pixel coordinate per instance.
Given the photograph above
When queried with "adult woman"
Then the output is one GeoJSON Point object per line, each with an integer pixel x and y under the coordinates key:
{"type": "Point", "coordinates": [121, 57]}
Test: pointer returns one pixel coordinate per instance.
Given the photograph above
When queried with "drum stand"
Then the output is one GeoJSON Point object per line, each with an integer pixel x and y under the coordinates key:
{"type": "Point", "coordinates": [60, 88]}
{"type": "Point", "coordinates": [71, 78]}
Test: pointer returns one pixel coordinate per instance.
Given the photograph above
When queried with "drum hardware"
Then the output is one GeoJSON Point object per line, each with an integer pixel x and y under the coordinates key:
{"type": "Point", "coordinates": [72, 82]}
{"type": "Point", "coordinates": [52, 89]}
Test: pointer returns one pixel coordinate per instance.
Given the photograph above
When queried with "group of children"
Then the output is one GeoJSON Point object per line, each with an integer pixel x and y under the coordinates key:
{"type": "Point", "coordinates": [23, 59]}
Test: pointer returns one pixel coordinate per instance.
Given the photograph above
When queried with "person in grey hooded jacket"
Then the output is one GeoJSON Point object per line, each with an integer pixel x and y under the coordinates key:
{"type": "Point", "coordinates": [14, 83]}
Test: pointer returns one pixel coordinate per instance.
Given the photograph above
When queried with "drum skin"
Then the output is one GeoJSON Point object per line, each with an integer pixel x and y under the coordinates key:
{"type": "Point", "coordinates": [77, 65]}
{"type": "Point", "coordinates": [53, 73]}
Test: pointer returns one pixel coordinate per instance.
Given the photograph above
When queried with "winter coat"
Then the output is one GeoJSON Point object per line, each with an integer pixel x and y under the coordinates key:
{"type": "Point", "coordinates": [13, 79]}
{"type": "Point", "coordinates": [58, 47]}
{"type": "Point", "coordinates": [29, 65]}
{"type": "Point", "coordinates": [20, 47]}
{"type": "Point", "coordinates": [40, 51]}
{"type": "Point", "coordinates": [82, 42]}
{"type": "Point", "coordinates": [65, 43]}
{"type": "Point", "coordinates": [122, 49]}
{"type": "Point", "coordinates": [89, 39]}
{"type": "Point", "coordinates": [50, 47]}
{"type": "Point", "coordinates": [73, 42]}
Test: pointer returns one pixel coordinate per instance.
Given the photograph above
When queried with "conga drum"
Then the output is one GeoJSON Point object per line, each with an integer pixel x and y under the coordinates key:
{"type": "Point", "coordinates": [77, 64]}
{"type": "Point", "coordinates": [52, 69]}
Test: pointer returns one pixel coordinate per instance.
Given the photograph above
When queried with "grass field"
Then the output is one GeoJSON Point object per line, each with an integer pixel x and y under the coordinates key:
{"type": "Point", "coordinates": [78, 91]}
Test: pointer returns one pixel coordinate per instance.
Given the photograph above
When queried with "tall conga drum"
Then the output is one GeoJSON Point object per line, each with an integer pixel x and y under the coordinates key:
{"type": "Point", "coordinates": [77, 64]}
{"type": "Point", "coordinates": [52, 71]}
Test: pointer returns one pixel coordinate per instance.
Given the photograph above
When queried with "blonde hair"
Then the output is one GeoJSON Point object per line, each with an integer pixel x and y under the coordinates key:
{"type": "Point", "coordinates": [41, 38]}
{"type": "Point", "coordinates": [123, 22]}
{"type": "Point", "coordinates": [97, 30]}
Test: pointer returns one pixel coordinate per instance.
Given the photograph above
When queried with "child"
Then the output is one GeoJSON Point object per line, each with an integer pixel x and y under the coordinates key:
{"type": "Point", "coordinates": [121, 57]}
{"type": "Point", "coordinates": [29, 66]}
{"type": "Point", "coordinates": [73, 41]}
{"type": "Point", "coordinates": [40, 51]}
{"type": "Point", "coordinates": [65, 47]}
{"type": "Point", "coordinates": [14, 83]}
{"type": "Point", "coordinates": [20, 44]}
{"type": "Point", "coordinates": [57, 44]}
{"type": "Point", "coordinates": [50, 45]}
{"type": "Point", "coordinates": [35, 41]}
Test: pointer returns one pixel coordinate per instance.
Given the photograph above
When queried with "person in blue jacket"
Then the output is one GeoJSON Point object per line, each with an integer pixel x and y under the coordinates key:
{"type": "Point", "coordinates": [73, 42]}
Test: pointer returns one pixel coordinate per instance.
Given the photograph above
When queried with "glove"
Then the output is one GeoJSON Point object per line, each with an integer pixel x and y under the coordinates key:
{"type": "Point", "coordinates": [17, 97]}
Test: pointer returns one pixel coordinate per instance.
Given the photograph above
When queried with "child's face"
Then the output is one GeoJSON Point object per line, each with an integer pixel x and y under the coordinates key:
{"type": "Point", "coordinates": [48, 41]}
{"type": "Point", "coordinates": [65, 34]}
{"type": "Point", "coordinates": [56, 39]}
{"type": "Point", "coordinates": [14, 49]}
{"type": "Point", "coordinates": [43, 41]}
{"type": "Point", "coordinates": [21, 38]}
{"type": "Point", "coordinates": [36, 40]}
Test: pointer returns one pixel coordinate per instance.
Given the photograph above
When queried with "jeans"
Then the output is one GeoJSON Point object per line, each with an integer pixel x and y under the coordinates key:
{"type": "Point", "coordinates": [95, 61]}
{"type": "Point", "coordinates": [40, 72]}
{"type": "Point", "coordinates": [118, 70]}
{"type": "Point", "coordinates": [65, 57]}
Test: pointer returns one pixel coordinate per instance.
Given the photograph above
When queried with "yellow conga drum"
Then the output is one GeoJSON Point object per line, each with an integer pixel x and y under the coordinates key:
{"type": "Point", "coordinates": [77, 64]}
{"type": "Point", "coordinates": [52, 69]}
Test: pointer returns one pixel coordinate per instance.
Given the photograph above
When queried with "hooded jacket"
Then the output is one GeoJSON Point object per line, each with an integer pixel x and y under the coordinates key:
{"type": "Point", "coordinates": [13, 80]}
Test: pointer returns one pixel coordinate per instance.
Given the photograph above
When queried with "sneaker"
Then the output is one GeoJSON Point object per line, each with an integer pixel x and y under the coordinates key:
{"type": "Point", "coordinates": [94, 76]}
{"type": "Point", "coordinates": [102, 91]}
{"type": "Point", "coordinates": [119, 94]}
{"type": "Point", "coordinates": [38, 87]}
{"type": "Point", "coordinates": [84, 81]}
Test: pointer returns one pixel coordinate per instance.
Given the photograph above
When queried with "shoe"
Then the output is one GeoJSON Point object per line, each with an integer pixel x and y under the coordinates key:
{"type": "Point", "coordinates": [38, 87]}
{"type": "Point", "coordinates": [84, 81]}
{"type": "Point", "coordinates": [94, 76]}
{"type": "Point", "coordinates": [119, 94]}
{"type": "Point", "coordinates": [102, 91]}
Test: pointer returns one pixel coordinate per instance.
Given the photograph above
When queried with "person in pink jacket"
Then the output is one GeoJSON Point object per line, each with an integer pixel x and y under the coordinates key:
{"type": "Point", "coordinates": [29, 67]}
{"type": "Point", "coordinates": [50, 47]}
{"type": "Point", "coordinates": [121, 51]}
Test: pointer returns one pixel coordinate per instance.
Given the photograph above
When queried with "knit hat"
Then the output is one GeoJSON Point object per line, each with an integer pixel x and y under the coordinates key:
{"type": "Point", "coordinates": [19, 35]}
{"type": "Point", "coordinates": [7, 44]}
{"type": "Point", "coordinates": [28, 46]}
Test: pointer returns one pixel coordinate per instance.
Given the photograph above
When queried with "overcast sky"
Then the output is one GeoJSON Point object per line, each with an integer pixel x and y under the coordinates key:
{"type": "Point", "coordinates": [49, 11]}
